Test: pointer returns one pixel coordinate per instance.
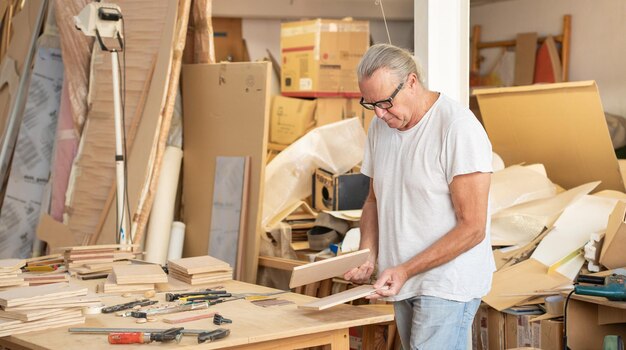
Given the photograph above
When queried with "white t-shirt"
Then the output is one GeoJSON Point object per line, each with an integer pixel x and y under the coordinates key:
{"type": "Point", "coordinates": [412, 170]}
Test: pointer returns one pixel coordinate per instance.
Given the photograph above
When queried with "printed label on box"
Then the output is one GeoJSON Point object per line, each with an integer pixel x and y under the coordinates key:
{"type": "Point", "coordinates": [306, 84]}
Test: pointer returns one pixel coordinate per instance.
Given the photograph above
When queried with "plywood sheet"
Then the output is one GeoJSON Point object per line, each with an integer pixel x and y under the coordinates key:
{"type": "Point", "coordinates": [11, 264]}
{"type": "Point", "coordinates": [41, 324]}
{"type": "Point", "coordinates": [339, 298]}
{"type": "Point", "coordinates": [134, 274]}
{"type": "Point", "coordinates": [32, 315]}
{"type": "Point", "coordinates": [25, 295]}
{"type": "Point", "coordinates": [226, 114]}
{"type": "Point", "coordinates": [327, 268]}
{"type": "Point", "coordinates": [76, 48]}
{"type": "Point", "coordinates": [93, 173]}
{"type": "Point", "coordinates": [198, 264]}
{"type": "Point", "coordinates": [111, 286]}
{"type": "Point", "coordinates": [561, 126]}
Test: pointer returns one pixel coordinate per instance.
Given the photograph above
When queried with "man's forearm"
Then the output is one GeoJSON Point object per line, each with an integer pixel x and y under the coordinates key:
{"type": "Point", "coordinates": [454, 243]}
{"type": "Point", "coordinates": [369, 227]}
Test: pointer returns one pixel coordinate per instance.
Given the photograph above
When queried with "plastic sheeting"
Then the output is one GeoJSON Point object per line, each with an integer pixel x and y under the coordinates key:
{"type": "Point", "coordinates": [336, 147]}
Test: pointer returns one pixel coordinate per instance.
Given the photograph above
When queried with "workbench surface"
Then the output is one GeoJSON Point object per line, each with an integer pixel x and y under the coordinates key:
{"type": "Point", "coordinates": [273, 327]}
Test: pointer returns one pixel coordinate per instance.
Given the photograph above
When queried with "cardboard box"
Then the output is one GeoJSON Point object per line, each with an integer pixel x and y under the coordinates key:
{"type": "Point", "coordinates": [498, 331]}
{"type": "Point", "coordinates": [521, 333]}
{"type": "Point", "coordinates": [488, 329]}
{"type": "Point", "coordinates": [226, 115]}
{"type": "Point", "coordinates": [583, 330]}
{"type": "Point", "coordinates": [291, 118]}
{"type": "Point", "coordinates": [334, 109]}
{"type": "Point", "coordinates": [339, 192]}
{"type": "Point", "coordinates": [551, 335]}
{"type": "Point", "coordinates": [319, 57]}
{"type": "Point", "coordinates": [612, 254]}
{"type": "Point", "coordinates": [559, 125]}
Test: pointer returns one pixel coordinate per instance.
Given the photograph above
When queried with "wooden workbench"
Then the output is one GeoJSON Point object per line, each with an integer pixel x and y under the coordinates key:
{"type": "Point", "coordinates": [253, 327]}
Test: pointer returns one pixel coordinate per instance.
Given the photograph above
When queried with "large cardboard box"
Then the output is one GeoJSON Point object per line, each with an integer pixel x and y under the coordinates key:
{"type": "Point", "coordinates": [291, 118]}
{"type": "Point", "coordinates": [319, 57]}
{"type": "Point", "coordinates": [339, 192]}
{"type": "Point", "coordinates": [559, 125]}
{"type": "Point", "coordinates": [226, 115]}
{"type": "Point", "coordinates": [334, 109]}
{"type": "Point", "coordinates": [612, 254]}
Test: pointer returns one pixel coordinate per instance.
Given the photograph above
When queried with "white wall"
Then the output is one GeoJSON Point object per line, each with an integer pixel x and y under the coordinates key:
{"type": "Point", "coordinates": [598, 45]}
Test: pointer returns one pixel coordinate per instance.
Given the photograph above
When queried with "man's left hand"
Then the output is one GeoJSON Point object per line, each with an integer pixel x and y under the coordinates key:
{"type": "Point", "coordinates": [393, 278]}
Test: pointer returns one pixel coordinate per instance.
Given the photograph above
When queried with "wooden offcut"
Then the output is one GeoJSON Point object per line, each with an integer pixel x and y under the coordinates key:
{"type": "Point", "coordinates": [339, 298]}
{"type": "Point", "coordinates": [327, 268]}
{"type": "Point", "coordinates": [134, 274]}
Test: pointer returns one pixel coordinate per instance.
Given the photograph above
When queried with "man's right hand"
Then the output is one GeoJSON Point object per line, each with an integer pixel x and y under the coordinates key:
{"type": "Point", "coordinates": [360, 274]}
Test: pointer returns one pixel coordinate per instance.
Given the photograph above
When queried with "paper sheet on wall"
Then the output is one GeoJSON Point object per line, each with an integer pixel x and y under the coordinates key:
{"type": "Point", "coordinates": [30, 169]}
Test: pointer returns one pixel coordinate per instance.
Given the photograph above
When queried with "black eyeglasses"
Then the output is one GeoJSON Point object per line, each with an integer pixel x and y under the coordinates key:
{"type": "Point", "coordinates": [382, 104]}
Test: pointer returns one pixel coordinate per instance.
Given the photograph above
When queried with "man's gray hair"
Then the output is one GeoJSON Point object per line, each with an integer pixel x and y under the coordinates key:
{"type": "Point", "coordinates": [399, 61]}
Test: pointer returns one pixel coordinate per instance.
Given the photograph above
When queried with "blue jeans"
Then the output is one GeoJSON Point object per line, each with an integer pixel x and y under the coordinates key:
{"type": "Point", "coordinates": [431, 323]}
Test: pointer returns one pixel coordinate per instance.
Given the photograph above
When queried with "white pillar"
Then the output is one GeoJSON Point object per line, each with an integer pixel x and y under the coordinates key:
{"type": "Point", "coordinates": [442, 45]}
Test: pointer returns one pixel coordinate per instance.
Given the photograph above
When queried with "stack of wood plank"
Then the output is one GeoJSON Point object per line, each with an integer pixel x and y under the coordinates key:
{"type": "Point", "coordinates": [97, 256]}
{"type": "Point", "coordinates": [134, 278]}
{"type": "Point", "coordinates": [47, 263]}
{"type": "Point", "coordinates": [39, 278]}
{"type": "Point", "coordinates": [11, 273]}
{"type": "Point", "coordinates": [26, 309]}
{"type": "Point", "coordinates": [200, 270]}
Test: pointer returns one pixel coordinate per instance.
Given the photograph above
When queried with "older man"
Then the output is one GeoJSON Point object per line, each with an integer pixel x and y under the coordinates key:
{"type": "Point", "coordinates": [426, 217]}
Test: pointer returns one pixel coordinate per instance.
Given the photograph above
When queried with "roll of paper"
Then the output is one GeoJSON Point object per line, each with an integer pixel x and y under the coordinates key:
{"type": "Point", "coordinates": [177, 238]}
{"type": "Point", "coordinates": [162, 213]}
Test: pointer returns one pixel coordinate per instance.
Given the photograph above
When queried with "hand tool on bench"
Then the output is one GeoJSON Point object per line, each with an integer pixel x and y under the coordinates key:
{"type": "Point", "coordinates": [203, 335]}
{"type": "Point", "coordinates": [219, 320]}
{"type": "Point", "coordinates": [126, 306]}
{"type": "Point", "coordinates": [169, 310]}
{"type": "Point", "coordinates": [176, 296]}
{"type": "Point", "coordinates": [213, 335]}
{"type": "Point", "coordinates": [204, 297]}
{"type": "Point", "coordinates": [145, 337]}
